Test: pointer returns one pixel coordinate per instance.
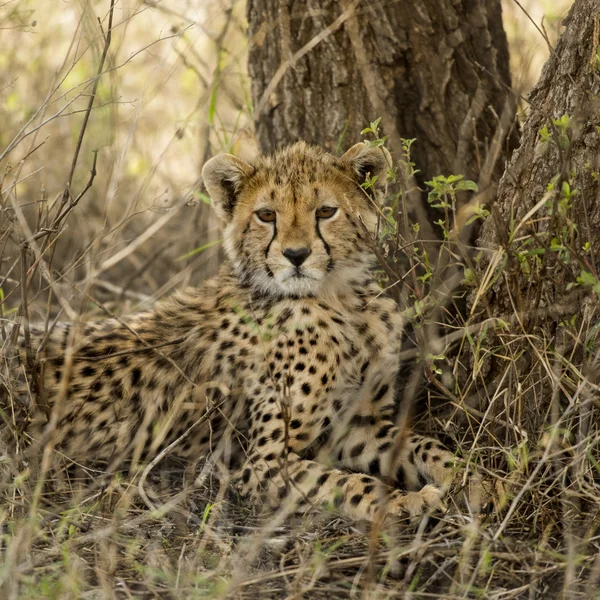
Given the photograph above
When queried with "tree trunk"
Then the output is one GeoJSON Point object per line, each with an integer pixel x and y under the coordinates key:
{"type": "Point", "coordinates": [542, 242]}
{"type": "Point", "coordinates": [554, 151]}
{"type": "Point", "coordinates": [434, 70]}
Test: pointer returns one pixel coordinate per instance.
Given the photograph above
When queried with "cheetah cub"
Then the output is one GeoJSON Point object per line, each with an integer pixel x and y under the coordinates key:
{"type": "Point", "coordinates": [283, 365]}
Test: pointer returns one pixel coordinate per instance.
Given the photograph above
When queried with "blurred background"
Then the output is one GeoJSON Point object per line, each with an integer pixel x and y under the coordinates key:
{"type": "Point", "coordinates": [176, 92]}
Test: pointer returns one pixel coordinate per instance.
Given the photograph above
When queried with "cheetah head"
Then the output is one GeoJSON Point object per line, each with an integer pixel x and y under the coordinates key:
{"type": "Point", "coordinates": [295, 221]}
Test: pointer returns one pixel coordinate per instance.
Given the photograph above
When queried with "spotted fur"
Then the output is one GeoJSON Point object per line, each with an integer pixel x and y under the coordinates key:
{"type": "Point", "coordinates": [278, 358]}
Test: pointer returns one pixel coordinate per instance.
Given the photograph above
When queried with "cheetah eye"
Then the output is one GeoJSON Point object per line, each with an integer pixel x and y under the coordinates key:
{"type": "Point", "coordinates": [266, 215]}
{"type": "Point", "coordinates": [326, 212]}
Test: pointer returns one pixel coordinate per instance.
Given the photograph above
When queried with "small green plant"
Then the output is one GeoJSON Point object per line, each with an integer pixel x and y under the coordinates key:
{"type": "Point", "coordinates": [479, 212]}
{"type": "Point", "coordinates": [557, 134]}
{"type": "Point", "coordinates": [443, 195]}
{"type": "Point", "coordinates": [431, 360]}
{"type": "Point", "coordinates": [369, 182]}
{"type": "Point", "coordinates": [374, 129]}
{"type": "Point", "coordinates": [587, 279]}
{"type": "Point", "coordinates": [407, 162]}
{"type": "Point", "coordinates": [444, 189]}
{"type": "Point", "coordinates": [566, 195]}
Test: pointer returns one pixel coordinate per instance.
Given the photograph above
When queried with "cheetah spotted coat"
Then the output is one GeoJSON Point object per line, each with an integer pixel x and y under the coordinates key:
{"type": "Point", "coordinates": [283, 366]}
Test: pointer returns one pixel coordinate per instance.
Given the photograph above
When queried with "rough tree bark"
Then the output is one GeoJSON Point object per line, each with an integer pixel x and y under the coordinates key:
{"type": "Point", "coordinates": [542, 242]}
{"type": "Point", "coordinates": [569, 86]}
{"type": "Point", "coordinates": [434, 70]}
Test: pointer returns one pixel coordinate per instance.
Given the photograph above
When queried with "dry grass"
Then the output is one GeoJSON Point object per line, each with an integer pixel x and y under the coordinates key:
{"type": "Point", "coordinates": [173, 91]}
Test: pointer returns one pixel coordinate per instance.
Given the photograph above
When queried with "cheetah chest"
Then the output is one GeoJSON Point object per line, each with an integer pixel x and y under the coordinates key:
{"type": "Point", "coordinates": [319, 361]}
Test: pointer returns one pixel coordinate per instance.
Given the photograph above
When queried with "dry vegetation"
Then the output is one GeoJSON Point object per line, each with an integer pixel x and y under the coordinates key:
{"type": "Point", "coordinates": [102, 210]}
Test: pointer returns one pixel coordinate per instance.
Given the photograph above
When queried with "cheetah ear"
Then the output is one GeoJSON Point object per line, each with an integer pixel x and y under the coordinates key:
{"type": "Point", "coordinates": [224, 176]}
{"type": "Point", "coordinates": [363, 160]}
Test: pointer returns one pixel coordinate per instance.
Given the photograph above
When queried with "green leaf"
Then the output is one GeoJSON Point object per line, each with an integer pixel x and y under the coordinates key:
{"type": "Point", "coordinates": [378, 142]}
{"type": "Point", "coordinates": [586, 278]}
{"type": "Point", "coordinates": [369, 182]}
{"type": "Point", "coordinates": [453, 178]}
{"type": "Point", "coordinates": [563, 141]}
{"type": "Point", "coordinates": [467, 184]}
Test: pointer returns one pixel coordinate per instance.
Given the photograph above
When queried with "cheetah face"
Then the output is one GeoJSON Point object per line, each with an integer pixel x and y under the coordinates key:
{"type": "Point", "coordinates": [295, 221]}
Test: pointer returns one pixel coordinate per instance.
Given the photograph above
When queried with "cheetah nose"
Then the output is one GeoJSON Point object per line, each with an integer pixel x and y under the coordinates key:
{"type": "Point", "coordinates": [297, 255]}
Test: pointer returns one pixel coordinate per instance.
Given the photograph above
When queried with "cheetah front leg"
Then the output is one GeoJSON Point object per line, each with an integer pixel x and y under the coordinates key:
{"type": "Point", "coordinates": [371, 445]}
{"type": "Point", "coordinates": [367, 440]}
{"type": "Point", "coordinates": [275, 474]}
{"type": "Point", "coordinates": [293, 483]}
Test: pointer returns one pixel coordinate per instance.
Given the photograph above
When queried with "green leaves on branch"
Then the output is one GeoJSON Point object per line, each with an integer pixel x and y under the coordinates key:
{"type": "Point", "coordinates": [443, 189]}
{"type": "Point", "coordinates": [558, 134]}
{"type": "Point", "coordinates": [369, 182]}
{"type": "Point", "coordinates": [443, 196]}
{"type": "Point", "coordinates": [587, 279]}
{"type": "Point", "coordinates": [407, 163]}
{"type": "Point", "coordinates": [479, 212]}
{"type": "Point", "coordinates": [373, 128]}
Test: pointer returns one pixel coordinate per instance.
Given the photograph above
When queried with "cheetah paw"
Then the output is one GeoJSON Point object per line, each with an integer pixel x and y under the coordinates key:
{"type": "Point", "coordinates": [417, 503]}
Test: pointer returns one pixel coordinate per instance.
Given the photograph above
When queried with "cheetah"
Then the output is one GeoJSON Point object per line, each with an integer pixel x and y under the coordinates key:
{"type": "Point", "coordinates": [284, 364]}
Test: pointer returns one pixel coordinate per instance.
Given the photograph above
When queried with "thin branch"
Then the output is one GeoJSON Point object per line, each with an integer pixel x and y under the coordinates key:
{"type": "Point", "coordinates": [86, 117]}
